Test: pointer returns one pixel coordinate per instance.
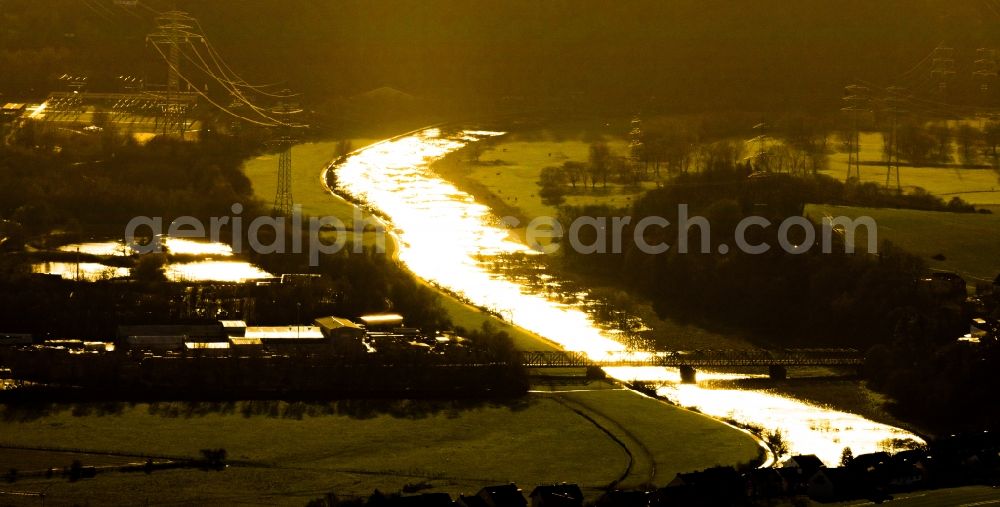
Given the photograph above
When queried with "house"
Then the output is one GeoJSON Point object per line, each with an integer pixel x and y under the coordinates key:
{"type": "Point", "coordinates": [155, 344]}
{"type": "Point", "coordinates": [905, 475]}
{"type": "Point", "coordinates": [206, 349]}
{"type": "Point", "coordinates": [422, 500]}
{"type": "Point", "coordinates": [871, 471]}
{"type": "Point", "coordinates": [339, 328]}
{"type": "Point", "coordinates": [382, 321]}
{"type": "Point", "coordinates": [618, 498]}
{"type": "Point", "coordinates": [98, 347]}
{"type": "Point", "coordinates": [945, 285]}
{"type": "Point", "coordinates": [806, 464]}
{"type": "Point", "coordinates": [68, 344]}
{"type": "Point", "coordinates": [717, 486]}
{"type": "Point", "coordinates": [345, 337]}
{"type": "Point", "coordinates": [234, 327]}
{"type": "Point", "coordinates": [763, 483]}
{"type": "Point", "coordinates": [505, 495]}
{"type": "Point", "coordinates": [12, 111]}
{"type": "Point", "coordinates": [870, 462]}
{"type": "Point", "coordinates": [557, 495]}
{"type": "Point", "coordinates": [829, 484]}
{"type": "Point", "coordinates": [245, 347]}
{"type": "Point", "coordinates": [304, 334]}
{"type": "Point", "coordinates": [470, 501]}
{"type": "Point", "coordinates": [289, 339]}
{"type": "Point", "coordinates": [192, 332]}
{"type": "Point", "coordinates": [982, 329]}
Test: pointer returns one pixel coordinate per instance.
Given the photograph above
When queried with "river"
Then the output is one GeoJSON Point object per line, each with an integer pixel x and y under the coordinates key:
{"type": "Point", "coordinates": [449, 239]}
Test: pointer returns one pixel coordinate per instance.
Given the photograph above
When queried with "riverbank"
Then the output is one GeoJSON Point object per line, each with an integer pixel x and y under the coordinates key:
{"type": "Point", "coordinates": [467, 316]}
{"type": "Point", "coordinates": [844, 395]}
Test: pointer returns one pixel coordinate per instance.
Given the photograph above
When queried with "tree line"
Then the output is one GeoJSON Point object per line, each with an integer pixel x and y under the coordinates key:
{"type": "Point", "coordinates": [882, 304]}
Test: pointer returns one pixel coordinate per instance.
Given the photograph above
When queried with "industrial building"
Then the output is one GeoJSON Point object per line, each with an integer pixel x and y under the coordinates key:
{"type": "Point", "coordinates": [330, 336]}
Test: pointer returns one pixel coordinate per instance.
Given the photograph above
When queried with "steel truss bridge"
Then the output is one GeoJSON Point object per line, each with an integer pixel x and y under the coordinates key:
{"type": "Point", "coordinates": [696, 358]}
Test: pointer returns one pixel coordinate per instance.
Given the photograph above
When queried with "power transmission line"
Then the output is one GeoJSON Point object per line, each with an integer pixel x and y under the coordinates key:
{"type": "Point", "coordinates": [857, 100]}
{"type": "Point", "coordinates": [176, 30]}
{"type": "Point", "coordinates": [209, 99]}
{"type": "Point", "coordinates": [232, 75]}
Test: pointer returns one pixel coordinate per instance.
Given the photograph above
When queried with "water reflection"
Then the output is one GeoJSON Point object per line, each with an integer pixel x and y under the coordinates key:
{"type": "Point", "coordinates": [181, 246]}
{"type": "Point", "coordinates": [207, 269]}
{"type": "Point", "coordinates": [87, 271]}
{"type": "Point", "coordinates": [216, 271]}
{"type": "Point", "coordinates": [178, 246]}
{"type": "Point", "coordinates": [104, 248]}
{"type": "Point", "coordinates": [449, 239]}
{"type": "Point", "coordinates": [807, 428]}
{"type": "Point", "coordinates": [443, 233]}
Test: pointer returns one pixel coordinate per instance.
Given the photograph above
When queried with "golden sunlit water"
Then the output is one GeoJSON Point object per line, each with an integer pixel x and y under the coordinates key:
{"type": "Point", "coordinates": [443, 232]}
{"type": "Point", "coordinates": [215, 271]}
{"type": "Point", "coordinates": [89, 271]}
{"type": "Point", "coordinates": [182, 246]}
{"type": "Point", "coordinates": [105, 248]}
{"type": "Point", "coordinates": [209, 269]}
{"type": "Point", "coordinates": [447, 238]}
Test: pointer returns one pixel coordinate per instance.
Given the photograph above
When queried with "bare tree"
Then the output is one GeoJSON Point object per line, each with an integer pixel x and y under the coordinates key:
{"type": "Point", "coordinates": [991, 139]}
{"type": "Point", "coordinates": [941, 134]}
{"type": "Point", "coordinates": [600, 163]}
{"type": "Point", "coordinates": [968, 138]}
{"type": "Point", "coordinates": [574, 172]}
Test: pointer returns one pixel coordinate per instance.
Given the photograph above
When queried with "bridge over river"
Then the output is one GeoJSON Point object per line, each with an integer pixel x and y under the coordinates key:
{"type": "Point", "coordinates": [776, 361]}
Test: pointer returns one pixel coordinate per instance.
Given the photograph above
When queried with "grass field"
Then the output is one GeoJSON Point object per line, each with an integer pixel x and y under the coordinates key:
{"type": "Point", "coordinates": [970, 243]}
{"type": "Point", "coordinates": [308, 161]}
{"type": "Point", "coordinates": [657, 431]}
{"type": "Point", "coordinates": [469, 317]}
{"type": "Point", "coordinates": [977, 186]}
{"type": "Point", "coordinates": [298, 459]}
{"type": "Point", "coordinates": [513, 180]}
{"type": "Point", "coordinates": [288, 456]}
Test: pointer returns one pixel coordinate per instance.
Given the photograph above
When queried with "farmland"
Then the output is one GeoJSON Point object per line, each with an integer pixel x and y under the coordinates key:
{"type": "Point", "coordinates": [976, 186]}
{"type": "Point", "coordinates": [290, 452]}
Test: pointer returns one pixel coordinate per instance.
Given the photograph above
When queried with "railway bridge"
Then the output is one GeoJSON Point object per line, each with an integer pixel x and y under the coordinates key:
{"type": "Point", "coordinates": [687, 361]}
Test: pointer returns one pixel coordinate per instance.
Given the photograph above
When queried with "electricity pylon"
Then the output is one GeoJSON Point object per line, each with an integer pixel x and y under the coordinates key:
{"type": "Point", "coordinates": [943, 67]}
{"type": "Point", "coordinates": [759, 159]}
{"type": "Point", "coordinates": [173, 28]}
{"type": "Point", "coordinates": [986, 72]}
{"type": "Point", "coordinates": [894, 102]}
{"type": "Point", "coordinates": [857, 101]}
{"type": "Point", "coordinates": [283, 202]}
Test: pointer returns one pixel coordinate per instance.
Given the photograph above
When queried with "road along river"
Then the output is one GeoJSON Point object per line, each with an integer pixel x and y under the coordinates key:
{"type": "Point", "coordinates": [450, 240]}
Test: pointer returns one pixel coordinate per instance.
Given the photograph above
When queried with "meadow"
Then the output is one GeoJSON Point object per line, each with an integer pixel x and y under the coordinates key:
{"type": "Point", "coordinates": [976, 186]}
{"type": "Point", "coordinates": [286, 457]}
{"type": "Point", "coordinates": [968, 242]}
{"type": "Point", "coordinates": [308, 161]}
{"type": "Point", "coordinates": [284, 453]}
{"type": "Point", "coordinates": [507, 174]}
{"type": "Point", "coordinates": [506, 179]}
